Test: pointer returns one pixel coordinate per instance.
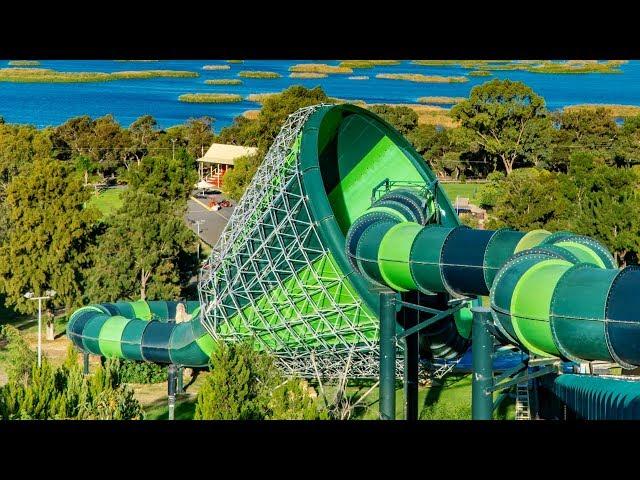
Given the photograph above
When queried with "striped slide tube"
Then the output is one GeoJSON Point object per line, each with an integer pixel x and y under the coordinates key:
{"type": "Point", "coordinates": [142, 331]}
{"type": "Point", "coordinates": [554, 294]}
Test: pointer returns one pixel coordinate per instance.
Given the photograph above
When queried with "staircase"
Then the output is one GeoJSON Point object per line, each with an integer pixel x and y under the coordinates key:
{"type": "Point", "coordinates": [523, 411]}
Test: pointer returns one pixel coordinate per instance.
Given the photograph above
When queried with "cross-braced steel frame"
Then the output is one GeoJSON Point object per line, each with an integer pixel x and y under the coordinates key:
{"type": "Point", "coordinates": [262, 281]}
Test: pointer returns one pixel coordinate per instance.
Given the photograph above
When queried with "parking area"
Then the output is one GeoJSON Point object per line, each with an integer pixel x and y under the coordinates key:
{"type": "Point", "coordinates": [212, 222]}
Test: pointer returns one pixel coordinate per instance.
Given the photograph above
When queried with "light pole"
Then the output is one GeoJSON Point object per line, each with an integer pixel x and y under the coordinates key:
{"type": "Point", "coordinates": [198, 223]}
{"type": "Point", "coordinates": [173, 148]}
{"type": "Point", "coordinates": [31, 296]}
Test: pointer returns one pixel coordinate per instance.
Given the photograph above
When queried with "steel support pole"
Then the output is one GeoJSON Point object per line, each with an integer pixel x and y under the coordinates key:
{"type": "Point", "coordinates": [180, 382]}
{"type": "Point", "coordinates": [85, 363]}
{"type": "Point", "coordinates": [387, 355]}
{"type": "Point", "coordinates": [482, 364]}
{"type": "Point", "coordinates": [411, 344]}
{"type": "Point", "coordinates": [171, 387]}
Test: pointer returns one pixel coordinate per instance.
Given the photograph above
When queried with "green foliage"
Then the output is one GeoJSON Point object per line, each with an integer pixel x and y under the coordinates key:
{"type": "Point", "coordinates": [490, 191]}
{"type": "Point", "coordinates": [19, 145]}
{"type": "Point", "coordinates": [49, 233]}
{"type": "Point", "coordinates": [167, 178]}
{"type": "Point", "coordinates": [246, 385]}
{"type": "Point", "coordinates": [130, 371]}
{"type": "Point", "coordinates": [146, 251]}
{"type": "Point", "coordinates": [509, 120]}
{"type": "Point", "coordinates": [530, 198]}
{"type": "Point", "coordinates": [593, 131]}
{"type": "Point", "coordinates": [19, 358]}
{"type": "Point", "coordinates": [102, 140]}
{"type": "Point", "coordinates": [238, 178]}
{"type": "Point", "coordinates": [65, 393]}
{"type": "Point", "coordinates": [403, 119]}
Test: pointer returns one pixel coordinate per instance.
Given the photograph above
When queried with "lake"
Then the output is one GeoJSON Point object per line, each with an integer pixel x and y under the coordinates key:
{"type": "Point", "coordinates": [53, 103]}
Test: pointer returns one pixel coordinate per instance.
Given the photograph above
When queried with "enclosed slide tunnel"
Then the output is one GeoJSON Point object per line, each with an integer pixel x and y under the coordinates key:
{"type": "Point", "coordinates": [343, 203]}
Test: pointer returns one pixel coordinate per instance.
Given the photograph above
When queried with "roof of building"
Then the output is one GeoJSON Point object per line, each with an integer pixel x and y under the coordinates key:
{"type": "Point", "coordinates": [226, 154]}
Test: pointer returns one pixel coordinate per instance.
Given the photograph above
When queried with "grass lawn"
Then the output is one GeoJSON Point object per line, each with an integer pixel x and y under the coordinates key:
{"type": "Point", "coordinates": [108, 201]}
{"type": "Point", "coordinates": [469, 190]}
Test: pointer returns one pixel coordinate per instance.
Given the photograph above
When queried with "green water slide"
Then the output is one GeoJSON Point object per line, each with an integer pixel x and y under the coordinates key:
{"type": "Point", "coordinates": [342, 205]}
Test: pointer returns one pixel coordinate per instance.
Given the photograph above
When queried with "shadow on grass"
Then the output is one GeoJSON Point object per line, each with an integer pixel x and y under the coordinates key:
{"type": "Point", "coordinates": [159, 410]}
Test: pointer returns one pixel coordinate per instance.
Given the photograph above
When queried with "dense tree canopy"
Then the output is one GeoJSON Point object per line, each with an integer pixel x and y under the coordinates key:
{"type": "Point", "coordinates": [146, 252]}
{"type": "Point", "coordinates": [509, 119]}
{"type": "Point", "coordinates": [49, 231]}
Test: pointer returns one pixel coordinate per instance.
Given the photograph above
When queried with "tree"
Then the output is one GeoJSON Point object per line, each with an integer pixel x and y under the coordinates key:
{"type": "Point", "coordinates": [238, 178]}
{"type": "Point", "coordinates": [593, 131]}
{"type": "Point", "coordinates": [146, 251]}
{"type": "Point", "coordinates": [65, 393]}
{"type": "Point", "coordinates": [48, 236]}
{"type": "Point", "coordinates": [165, 177]}
{"type": "Point", "coordinates": [530, 198]}
{"type": "Point", "coordinates": [19, 145]}
{"type": "Point", "coordinates": [198, 133]}
{"type": "Point", "coordinates": [102, 140]}
{"type": "Point", "coordinates": [143, 132]}
{"type": "Point", "coordinates": [247, 385]}
{"type": "Point", "coordinates": [402, 118]}
{"type": "Point", "coordinates": [509, 120]}
{"type": "Point", "coordinates": [608, 208]}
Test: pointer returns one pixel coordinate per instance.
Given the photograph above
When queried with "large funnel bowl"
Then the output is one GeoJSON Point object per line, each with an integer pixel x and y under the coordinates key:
{"type": "Point", "coordinates": [279, 274]}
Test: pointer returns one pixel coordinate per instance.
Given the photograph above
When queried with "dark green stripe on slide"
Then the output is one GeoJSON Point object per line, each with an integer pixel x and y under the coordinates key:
{"type": "Point", "coordinates": [91, 334]}
{"type": "Point", "coordinates": [623, 321]}
{"type": "Point", "coordinates": [462, 261]}
{"type": "Point", "coordinates": [578, 312]}
{"type": "Point", "coordinates": [132, 338]}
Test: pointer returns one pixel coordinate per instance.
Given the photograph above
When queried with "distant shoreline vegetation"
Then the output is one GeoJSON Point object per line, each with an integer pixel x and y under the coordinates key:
{"type": "Point", "coordinates": [224, 81]}
{"type": "Point", "coordinates": [216, 67]}
{"type": "Point", "coordinates": [23, 63]}
{"type": "Point", "coordinates": [234, 61]}
{"type": "Point", "coordinates": [359, 77]}
{"type": "Point", "coordinates": [258, 74]}
{"type": "Point", "coordinates": [617, 111]}
{"type": "Point", "coordinates": [307, 75]}
{"type": "Point", "coordinates": [45, 75]}
{"type": "Point", "coordinates": [479, 73]}
{"type": "Point", "coordinates": [261, 97]}
{"type": "Point", "coordinates": [418, 77]}
{"type": "Point", "coordinates": [441, 100]}
{"type": "Point", "coordinates": [319, 68]}
{"type": "Point", "coordinates": [532, 66]}
{"type": "Point", "coordinates": [210, 98]}
{"type": "Point", "coordinates": [368, 63]}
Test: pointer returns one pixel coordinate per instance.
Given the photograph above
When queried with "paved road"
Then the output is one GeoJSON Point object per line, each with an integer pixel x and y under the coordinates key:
{"type": "Point", "coordinates": [214, 222]}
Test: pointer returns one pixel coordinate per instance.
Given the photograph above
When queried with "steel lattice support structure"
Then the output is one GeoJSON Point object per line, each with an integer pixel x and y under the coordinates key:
{"type": "Point", "coordinates": [270, 277]}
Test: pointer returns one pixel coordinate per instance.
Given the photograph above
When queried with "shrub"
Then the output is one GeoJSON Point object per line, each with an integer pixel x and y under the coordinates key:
{"type": "Point", "coordinates": [65, 393]}
{"type": "Point", "coordinates": [140, 372]}
{"type": "Point", "coordinates": [247, 385]}
{"type": "Point", "coordinates": [20, 358]}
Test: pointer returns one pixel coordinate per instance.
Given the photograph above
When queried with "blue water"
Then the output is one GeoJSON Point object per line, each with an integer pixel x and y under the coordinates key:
{"type": "Point", "coordinates": [52, 104]}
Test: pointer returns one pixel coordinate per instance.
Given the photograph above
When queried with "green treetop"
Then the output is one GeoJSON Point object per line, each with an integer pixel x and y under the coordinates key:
{"type": "Point", "coordinates": [509, 120]}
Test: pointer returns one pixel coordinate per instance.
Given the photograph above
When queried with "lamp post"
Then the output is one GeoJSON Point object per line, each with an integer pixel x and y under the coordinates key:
{"type": "Point", "coordinates": [31, 296]}
{"type": "Point", "coordinates": [173, 148]}
{"type": "Point", "coordinates": [198, 223]}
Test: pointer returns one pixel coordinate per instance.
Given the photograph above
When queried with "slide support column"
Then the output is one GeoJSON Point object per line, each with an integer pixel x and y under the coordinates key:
{"type": "Point", "coordinates": [411, 345]}
{"type": "Point", "coordinates": [482, 365]}
{"type": "Point", "coordinates": [387, 355]}
{"type": "Point", "coordinates": [171, 389]}
{"type": "Point", "coordinates": [85, 363]}
{"type": "Point", "coordinates": [180, 387]}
